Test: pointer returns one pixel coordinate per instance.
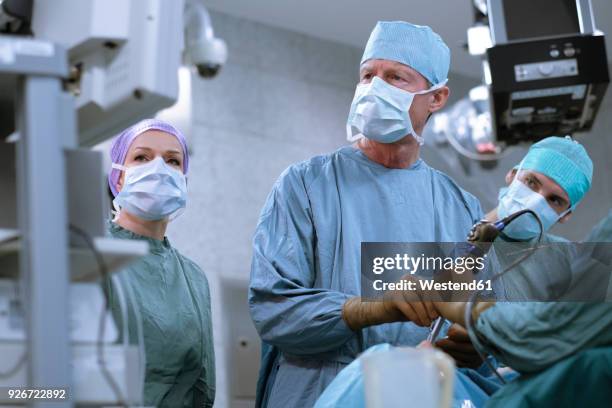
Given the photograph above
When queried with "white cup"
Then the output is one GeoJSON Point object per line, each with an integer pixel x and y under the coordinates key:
{"type": "Point", "coordinates": [408, 377]}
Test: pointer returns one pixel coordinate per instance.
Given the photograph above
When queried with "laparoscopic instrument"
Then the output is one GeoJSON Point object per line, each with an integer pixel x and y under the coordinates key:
{"type": "Point", "coordinates": [479, 241]}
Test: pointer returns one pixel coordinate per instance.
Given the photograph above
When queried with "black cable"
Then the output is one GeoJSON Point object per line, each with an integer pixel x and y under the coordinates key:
{"type": "Point", "coordinates": [517, 214]}
{"type": "Point", "coordinates": [102, 326]}
{"type": "Point", "coordinates": [469, 323]}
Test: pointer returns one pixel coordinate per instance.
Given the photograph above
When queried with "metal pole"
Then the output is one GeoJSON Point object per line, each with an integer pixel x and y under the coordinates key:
{"type": "Point", "coordinates": [43, 224]}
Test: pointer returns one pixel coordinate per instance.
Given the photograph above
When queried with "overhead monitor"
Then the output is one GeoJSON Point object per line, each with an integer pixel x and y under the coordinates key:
{"type": "Point", "coordinates": [521, 20]}
{"type": "Point", "coordinates": [526, 19]}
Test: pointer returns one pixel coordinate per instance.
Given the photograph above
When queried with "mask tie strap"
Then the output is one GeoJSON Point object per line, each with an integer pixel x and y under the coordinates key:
{"type": "Point", "coordinates": [350, 136]}
{"type": "Point", "coordinates": [431, 89]}
{"type": "Point", "coordinates": [420, 139]}
{"type": "Point", "coordinates": [116, 209]}
{"type": "Point", "coordinates": [564, 213]}
{"type": "Point", "coordinates": [519, 168]}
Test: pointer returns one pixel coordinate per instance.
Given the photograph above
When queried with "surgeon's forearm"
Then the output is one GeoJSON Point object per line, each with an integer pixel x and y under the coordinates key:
{"type": "Point", "coordinates": [359, 314]}
{"type": "Point", "coordinates": [455, 311]}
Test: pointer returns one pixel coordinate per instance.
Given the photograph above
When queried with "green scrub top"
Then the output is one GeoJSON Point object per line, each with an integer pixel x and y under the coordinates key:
{"type": "Point", "coordinates": [173, 299]}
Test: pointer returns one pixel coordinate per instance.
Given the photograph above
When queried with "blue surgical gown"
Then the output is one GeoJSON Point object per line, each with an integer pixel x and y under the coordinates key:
{"type": "Point", "coordinates": [306, 261]}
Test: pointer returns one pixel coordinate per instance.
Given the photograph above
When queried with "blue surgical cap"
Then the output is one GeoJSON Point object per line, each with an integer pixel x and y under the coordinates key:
{"type": "Point", "coordinates": [416, 46]}
{"type": "Point", "coordinates": [565, 161]}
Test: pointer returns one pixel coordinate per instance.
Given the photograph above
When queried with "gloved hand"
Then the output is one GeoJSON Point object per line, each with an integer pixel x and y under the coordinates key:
{"type": "Point", "coordinates": [458, 345]}
{"type": "Point", "coordinates": [395, 306]}
{"type": "Point", "coordinates": [457, 342]}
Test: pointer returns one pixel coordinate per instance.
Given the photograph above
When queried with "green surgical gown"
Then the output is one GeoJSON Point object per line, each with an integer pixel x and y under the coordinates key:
{"type": "Point", "coordinates": [172, 296]}
{"type": "Point", "coordinates": [582, 380]}
{"type": "Point", "coordinates": [602, 232]}
{"type": "Point", "coordinates": [306, 261]}
{"type": "Point", "coordinates": [531, 336]}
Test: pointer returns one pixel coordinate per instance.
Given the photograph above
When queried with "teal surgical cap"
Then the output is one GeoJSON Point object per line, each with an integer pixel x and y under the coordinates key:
{"type": "Point", "coordinates": [416, 46]}
{"type": "Point", "coordinates": [565, 161]}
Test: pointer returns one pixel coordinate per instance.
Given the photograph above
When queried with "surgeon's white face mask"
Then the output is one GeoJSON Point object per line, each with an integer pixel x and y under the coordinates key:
{"type": "Point", "coordinates": [379, 112]}
{"type": "Point", "coordinates": [518, 197]}
{"type": "Point", "coordinates": [151, 191]}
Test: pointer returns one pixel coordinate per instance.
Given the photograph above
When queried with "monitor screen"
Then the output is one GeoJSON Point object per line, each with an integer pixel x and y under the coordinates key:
{"type": "Point", "coordinates": [527, 19]}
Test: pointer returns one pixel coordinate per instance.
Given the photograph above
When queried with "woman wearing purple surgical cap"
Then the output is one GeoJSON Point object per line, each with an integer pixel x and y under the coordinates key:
{"type": "Point", "coordinates": [170, 292]}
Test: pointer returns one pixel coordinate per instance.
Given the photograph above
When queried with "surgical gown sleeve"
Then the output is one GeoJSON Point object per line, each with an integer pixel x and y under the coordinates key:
{"type": "Point", "coordinates": [532, 336]}
{"type": "Point", "coordinates": [289, 312]}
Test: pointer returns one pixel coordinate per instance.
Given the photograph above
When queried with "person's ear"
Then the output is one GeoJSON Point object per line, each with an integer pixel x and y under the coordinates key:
{"type": "Point", "coordinates": [565, 218]}
{"type": "Point", "coordinates": [119, 184]}
{"type": "Point", "coordinates": [439, 99]}
{"type": "Point", "coordinates": [510, 176]}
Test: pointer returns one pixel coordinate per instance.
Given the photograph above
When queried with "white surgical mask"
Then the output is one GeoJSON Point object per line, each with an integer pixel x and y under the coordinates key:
{"type": "Point", "coordinates": [379, 111]}
{"type": "Point", "coordinates": [519, 197]}
{"type": "Point", "coordinates": [151, 191]}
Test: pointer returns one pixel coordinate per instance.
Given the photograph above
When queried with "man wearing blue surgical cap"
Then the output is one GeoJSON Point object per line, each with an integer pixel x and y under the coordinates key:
{"type": "Point", "coordinates": [554, 177]}
{"type": "Point", "coordinates": [305, 273]}
{"type": "Point", "coordinates": [551, 180]}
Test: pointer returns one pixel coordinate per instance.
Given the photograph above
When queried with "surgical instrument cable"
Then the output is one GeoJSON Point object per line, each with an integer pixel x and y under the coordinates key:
{"type": "Point", "coordinates": [469, 323]}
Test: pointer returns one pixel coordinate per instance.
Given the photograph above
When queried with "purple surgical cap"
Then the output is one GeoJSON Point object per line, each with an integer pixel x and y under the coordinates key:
{"type": "Point", "coordinates": [123, 141]}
